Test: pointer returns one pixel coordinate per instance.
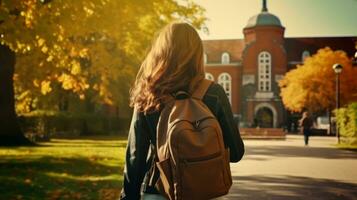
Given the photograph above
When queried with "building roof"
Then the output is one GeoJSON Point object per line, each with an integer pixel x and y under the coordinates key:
{"type": "Point", "coordinates": [215, 48]}
{"type": "Point", "coordinates": [295, 46]}
{"type": "Point", "coordinates": [263, 19]}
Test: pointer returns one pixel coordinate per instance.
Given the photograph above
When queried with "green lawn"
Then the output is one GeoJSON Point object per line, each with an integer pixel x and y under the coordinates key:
{"type": "Point", "coordinates": [85, 168]}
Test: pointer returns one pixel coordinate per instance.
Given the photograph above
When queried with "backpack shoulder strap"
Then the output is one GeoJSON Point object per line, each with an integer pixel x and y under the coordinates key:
{"type": "Point", "coordinates": [201, 89]}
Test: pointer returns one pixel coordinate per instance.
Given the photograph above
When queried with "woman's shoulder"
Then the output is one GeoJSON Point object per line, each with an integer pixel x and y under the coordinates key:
{"type": "Point", "coordinates": [216, 95]}
{"type": "Point", "coordinates": [215, 89]}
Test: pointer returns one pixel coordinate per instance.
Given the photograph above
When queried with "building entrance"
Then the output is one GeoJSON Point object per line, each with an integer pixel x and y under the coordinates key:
{"type": "Point", "coordinates": [264, 118]}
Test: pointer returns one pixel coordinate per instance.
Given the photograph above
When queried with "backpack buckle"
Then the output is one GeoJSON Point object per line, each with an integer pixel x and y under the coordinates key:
{"type": "Point", "coordinates": [197, 124]}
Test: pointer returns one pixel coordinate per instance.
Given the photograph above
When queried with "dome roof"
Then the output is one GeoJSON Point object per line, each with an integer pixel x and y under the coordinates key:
{"type": "Point", "coordinates": [263, 19]}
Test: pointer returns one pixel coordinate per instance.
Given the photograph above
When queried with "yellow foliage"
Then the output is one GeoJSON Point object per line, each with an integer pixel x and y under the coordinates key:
{"type": "Point", "coordinates": [82, 96]}
{"type": "Point", "coordinates": [76, 68]}
{"type": "Point", "coordinates": [40, 42]}
{"type": "Point", "coordinates": [85, 46]}
{"type": "Point", "coordinates": [23, 102]}
{"type": "Point", "coordinates": [36, 83]}
{"type": "Point", "coordinates": [49, 58]}
{"type": "Point", "coordinates": [45, 87]}
{"type": "Point", "coordinates": [67, 81]}
{"type": "Point", "coordinates": [44, 49]}
{"type": "Point", "coordinates": [311, 86]}
{"type": "Point", "coordinates": [88, 11]}
{"type": "Point", "coordinates": [83, 53]}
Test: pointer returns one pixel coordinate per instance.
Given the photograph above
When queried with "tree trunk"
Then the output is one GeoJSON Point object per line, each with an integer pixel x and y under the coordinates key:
{"type": "Point", "coordinates": [10, 132]}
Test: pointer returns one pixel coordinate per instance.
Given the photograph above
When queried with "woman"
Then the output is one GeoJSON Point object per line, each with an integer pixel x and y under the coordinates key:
{"type": "Point", "coordinates": [175, 62]}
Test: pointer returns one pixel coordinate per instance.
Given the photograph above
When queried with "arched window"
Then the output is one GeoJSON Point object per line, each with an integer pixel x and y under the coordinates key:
{"type": "Point", "coordinates": [304, 55]}
{"type": "Point", "coordinates": [264, 73]}
{"type": "Point", "coordinates": [205, 58]}
{"type": "Point", "coordinates": [225, 81]}
{"type": "Point", "coordinates": [225, 58]}
{"type": "Point", "coordinates": [209, 76]}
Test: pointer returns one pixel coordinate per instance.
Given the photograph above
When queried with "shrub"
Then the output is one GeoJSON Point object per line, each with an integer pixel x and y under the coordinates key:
{"type": "Point", "coordinates": [347, 123]}
{"type": "Point", "coordinates": [46, 124]}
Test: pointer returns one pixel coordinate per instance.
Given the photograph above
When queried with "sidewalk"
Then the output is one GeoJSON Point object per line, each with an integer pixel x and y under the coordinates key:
{"type": "Point", "coordinates": [286, 169]}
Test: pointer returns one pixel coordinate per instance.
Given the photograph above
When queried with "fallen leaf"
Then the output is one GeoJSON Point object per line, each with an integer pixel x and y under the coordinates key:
{"type": "Point", "coordinates": [28, 181]}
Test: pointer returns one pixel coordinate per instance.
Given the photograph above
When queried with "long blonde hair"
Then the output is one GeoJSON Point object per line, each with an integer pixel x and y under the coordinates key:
{"type": "Point", "coordinates": [175, 61]}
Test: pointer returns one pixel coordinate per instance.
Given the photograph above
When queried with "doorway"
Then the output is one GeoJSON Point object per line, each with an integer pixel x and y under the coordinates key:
{"type": "Point", "coordinates": [264, 117]}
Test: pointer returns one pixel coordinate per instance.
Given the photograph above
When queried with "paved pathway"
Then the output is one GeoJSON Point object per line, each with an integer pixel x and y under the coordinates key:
{"type": "Point", "coordinates": [287, 169]}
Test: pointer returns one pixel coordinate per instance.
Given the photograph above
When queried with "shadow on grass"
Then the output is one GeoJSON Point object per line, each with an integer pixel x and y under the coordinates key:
{"type": "Point", "coordinates": [290, 187]}
{"type": "Point", "coordinates": [77, 143]}
{"type": "Point", "coordinates": [48, 177]}
{"type": "Point", "coordinates": [65, 169]}
{"type": "Point", "coordinates": [119, 145]}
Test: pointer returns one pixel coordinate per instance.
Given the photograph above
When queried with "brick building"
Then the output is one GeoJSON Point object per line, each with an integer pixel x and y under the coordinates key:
{"type": "Point", "coordinates": [249, 69]}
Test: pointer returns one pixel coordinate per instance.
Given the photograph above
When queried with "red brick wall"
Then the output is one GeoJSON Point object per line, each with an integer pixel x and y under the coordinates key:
{"type": "Point", "coordinates": [258, 39]}
{"type": "Point", "coordinates": [267, 39]}
{"type": "Point", "coordinates": [235, 73]}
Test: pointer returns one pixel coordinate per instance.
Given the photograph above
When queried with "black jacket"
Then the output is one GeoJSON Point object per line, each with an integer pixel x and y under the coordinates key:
{"type": "Point", "coordinates": [142, 137]}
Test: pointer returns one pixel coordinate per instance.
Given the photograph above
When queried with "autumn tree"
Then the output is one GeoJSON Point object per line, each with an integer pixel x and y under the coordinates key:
{"type": "Point", "coordinates": [311, 86]}
{"type": "Point", "coordinates": [88, 48]}
{"type": "Point", "coordinates": [9, 128]}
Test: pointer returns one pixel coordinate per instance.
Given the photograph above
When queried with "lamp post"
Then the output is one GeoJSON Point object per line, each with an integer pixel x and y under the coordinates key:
{"type": "Point", "coordinates": [338, 69]}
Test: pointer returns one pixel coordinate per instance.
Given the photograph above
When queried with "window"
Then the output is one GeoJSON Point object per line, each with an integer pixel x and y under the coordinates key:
{"type": "Point", "coordinates": [304, 55]}
{"type": "Point", "coordinates": [205, 58]}
{"type": "Point", "coordinates": [225, 58]}
{"type": "Point", "coordinates": [264, 71]}
{"type": "Point", "coordinates": [209, 77]}
{"type": "Point", "coordinates": [225, 81]}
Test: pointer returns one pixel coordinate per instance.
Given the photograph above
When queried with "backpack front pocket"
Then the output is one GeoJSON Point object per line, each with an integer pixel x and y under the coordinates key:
{"type": "Point", "coordinates": [203, 178]}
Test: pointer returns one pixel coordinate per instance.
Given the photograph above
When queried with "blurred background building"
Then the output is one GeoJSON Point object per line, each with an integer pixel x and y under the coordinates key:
{"type": "Point", "coordinates": [249, 69]}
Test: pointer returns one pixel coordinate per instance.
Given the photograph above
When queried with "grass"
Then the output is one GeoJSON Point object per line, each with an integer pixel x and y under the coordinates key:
{"type": "Point", "coordinates": [85, 168]}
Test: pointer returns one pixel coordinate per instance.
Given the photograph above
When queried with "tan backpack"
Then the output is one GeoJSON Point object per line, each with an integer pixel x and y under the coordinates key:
{"type": "Point", "coordinates": [192, 158]}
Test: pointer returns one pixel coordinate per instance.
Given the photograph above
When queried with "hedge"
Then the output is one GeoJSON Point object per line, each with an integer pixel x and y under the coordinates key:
{"type": "Point", "coordinates": [347, 123]}
{"type": "Point", "coordinates": [69, 124]}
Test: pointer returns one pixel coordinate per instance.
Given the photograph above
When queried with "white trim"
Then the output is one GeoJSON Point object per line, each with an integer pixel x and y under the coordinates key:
{"type": "Point", "coordinates": [248, 79]}
{"type": "Point", "coordinates": [225, 80]}
{"type": "Point", "coordinates": [209, 76]}
{"type": "Point", "coordinates": [295, 62]}
{"type": "Point", "coordinates": [263, 100]}
{"type": "Point", "coordinates": [205, 58]}
{"type": "Point", "coordinates": [264, 71]}
{"type": "Point", "coordinates": [278, 77]}
{"type": "Point", "coordinates": [268, 105]}
{"type": "Point", "coordinates": [304, 55]}
{"type": "Point", "coordinates": [264, 95]}
{"type": "Point", "coordinates": [234, 64]}
{"type": "Point", "coordinates": [225, 58]}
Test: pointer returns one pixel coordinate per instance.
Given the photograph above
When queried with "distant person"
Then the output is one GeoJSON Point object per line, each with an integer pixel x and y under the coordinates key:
{"type": "Point", "coordinates": [173, 71]}
{"type": "Point", "coordinates": [305, 126]}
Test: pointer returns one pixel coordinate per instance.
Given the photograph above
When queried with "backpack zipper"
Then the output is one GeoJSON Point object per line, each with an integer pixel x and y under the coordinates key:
{"type": "Point", "coordinates": [195, 124]}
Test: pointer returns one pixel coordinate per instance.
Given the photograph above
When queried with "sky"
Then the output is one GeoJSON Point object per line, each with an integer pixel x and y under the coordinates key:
{"type": "Point", "coordinates": [301, 18]}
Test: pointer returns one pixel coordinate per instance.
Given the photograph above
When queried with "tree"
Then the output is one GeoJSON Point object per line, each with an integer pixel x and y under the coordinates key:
{"type": "Point", "coordinates": [10, 131]}
{"type": "Point", "coordinates": [90, 48]}
{"type": "Point", "coordinates": [311, 86]}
